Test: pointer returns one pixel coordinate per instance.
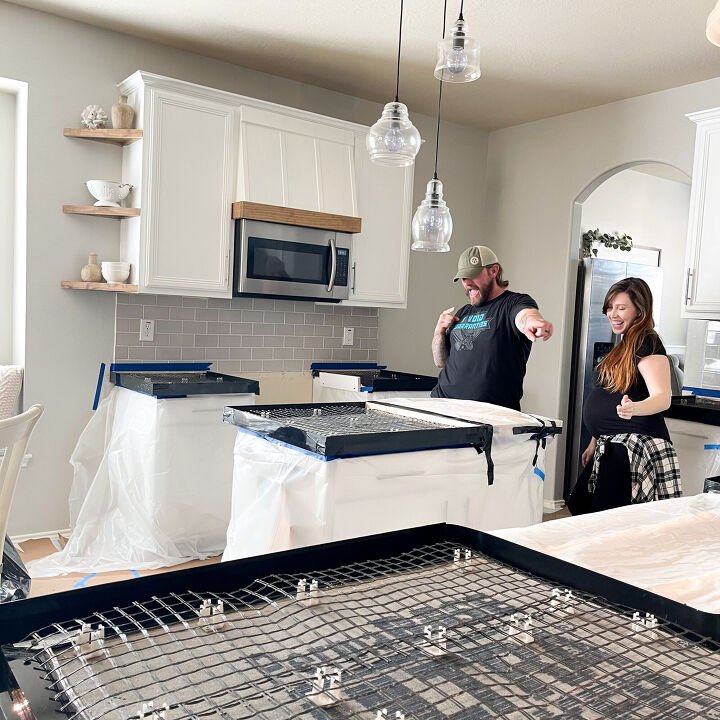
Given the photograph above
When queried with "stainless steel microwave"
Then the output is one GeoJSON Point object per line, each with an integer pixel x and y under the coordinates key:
{"type": "Point", "coordinates": [290, 261]}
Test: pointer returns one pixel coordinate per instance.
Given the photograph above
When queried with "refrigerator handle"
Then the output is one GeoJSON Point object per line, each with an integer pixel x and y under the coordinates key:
{"type": "Point", "coordinates": [688, 286]}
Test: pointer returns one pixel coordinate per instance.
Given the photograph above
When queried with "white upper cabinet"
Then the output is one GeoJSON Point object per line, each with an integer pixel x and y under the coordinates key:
{"type": "Point", "coordinates": [296, 162]}
{"type": "Point", "coordinates": [184, 170]}
{"type": "Point", "coordinates": [203, 149]}
{"type": "Point", "coordinates": [381, 252]}
{"type": "Point", "coordinates": [702, 289]}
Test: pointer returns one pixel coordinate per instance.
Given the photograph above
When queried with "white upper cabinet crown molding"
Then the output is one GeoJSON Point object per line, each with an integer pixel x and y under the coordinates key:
{"type": "Point", "coordinates": [701, 299]}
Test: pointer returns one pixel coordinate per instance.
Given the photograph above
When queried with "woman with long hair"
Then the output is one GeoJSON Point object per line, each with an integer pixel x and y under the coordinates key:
{"type": "Point", "coordinates": [630, 458]}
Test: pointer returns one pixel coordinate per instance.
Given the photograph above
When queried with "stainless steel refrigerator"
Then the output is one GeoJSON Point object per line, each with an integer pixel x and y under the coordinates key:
{"type": "Point", "coordinates": [592, 340]}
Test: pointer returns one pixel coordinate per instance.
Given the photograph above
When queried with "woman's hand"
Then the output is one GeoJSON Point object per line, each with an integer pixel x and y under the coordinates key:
{"type": "Point", "coordinates": [589, 452]}
{"type": "Point", "coordinates": [626, 408]}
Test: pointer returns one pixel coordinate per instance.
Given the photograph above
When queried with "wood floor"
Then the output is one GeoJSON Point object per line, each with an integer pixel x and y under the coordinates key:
{"type": "Point", "coordinates": [34, 549]}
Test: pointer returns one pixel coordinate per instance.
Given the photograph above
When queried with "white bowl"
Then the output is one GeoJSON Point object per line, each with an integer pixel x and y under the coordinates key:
{"type": "Point", "coordinates": [115, 272]}
{"type": "Point", "coordinates": [107, 192]}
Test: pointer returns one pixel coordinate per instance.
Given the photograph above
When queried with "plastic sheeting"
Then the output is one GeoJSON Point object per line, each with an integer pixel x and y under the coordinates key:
{"type": "Point", "coordinates": [698, 449]}
{"type": "Point", "coordinates": [14, 581]}
{"type": "Point", "coordinates": [285, 498]}
{"type": "Point", "coordinates": [152, 484]}
{"type": "Point", "coordinates": [669, 547]}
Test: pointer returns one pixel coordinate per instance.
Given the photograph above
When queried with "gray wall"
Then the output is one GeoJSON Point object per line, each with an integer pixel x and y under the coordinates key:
{"type": "Point", "coordinates": [69, 65]}
{"type": "Point", "coordinates": [536, 174]}
{"type": "Point", "coordinates": [405, 335]}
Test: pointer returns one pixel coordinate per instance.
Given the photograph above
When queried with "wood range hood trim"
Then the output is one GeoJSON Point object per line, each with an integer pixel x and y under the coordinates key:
{"type": "Point", "coordinates": [295, 216]}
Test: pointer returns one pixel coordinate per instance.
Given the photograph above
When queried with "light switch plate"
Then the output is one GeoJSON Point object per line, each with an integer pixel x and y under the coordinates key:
{"type": "Point", "coordinates": [147, 330]}
{"type": "Point", "coordinates": [348, 336]}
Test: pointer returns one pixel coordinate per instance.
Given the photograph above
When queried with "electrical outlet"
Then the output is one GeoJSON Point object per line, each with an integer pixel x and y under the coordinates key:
{"type": "Point", "coordinates": [147, 330]}
{"type": "Point", "coordinates": [348, 336]}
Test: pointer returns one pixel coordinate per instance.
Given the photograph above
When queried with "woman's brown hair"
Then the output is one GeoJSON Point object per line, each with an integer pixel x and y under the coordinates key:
{"type": "Point", "coordinates": [617, 371]}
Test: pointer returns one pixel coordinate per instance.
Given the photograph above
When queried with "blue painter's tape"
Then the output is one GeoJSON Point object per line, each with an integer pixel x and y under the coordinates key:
{"type": "Point", "coordinates": [702, 392]}
{"type": "Point", "coordinates": [135, 573]}
{"type": "Point", "coordinates": [539, 473]}
{"type": "Point", "coordinates": [366, 389]}
{"type": "Point", "coordinates": [275, 441]}
{"type": "Point", "coordinates": [81, 583]}
{"type": "Point", "coordinates": [99, 386]}
{"type": "Point", "coordinates": [328, 458]}
{"type": "Point", "coordinates": [712, 447]}
{"type": "Point", "coordinates": [347, 366]}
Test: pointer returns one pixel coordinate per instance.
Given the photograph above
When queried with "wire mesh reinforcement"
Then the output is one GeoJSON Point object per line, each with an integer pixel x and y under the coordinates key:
{"type": "Point", "coordinates": [343, 419]}
{"type": "Point", "coordinates": [428, 634]}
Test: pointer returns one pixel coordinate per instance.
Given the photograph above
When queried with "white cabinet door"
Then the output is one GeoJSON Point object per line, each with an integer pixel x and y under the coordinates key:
{"type": "Point", "coordinates": [294, 162]}
{"type": "Point", "coordinates": [702, 289]}
{"type": "Point", "coordinates": [190, 147]}
{"type": "Point", "coordinates": [381, 252]}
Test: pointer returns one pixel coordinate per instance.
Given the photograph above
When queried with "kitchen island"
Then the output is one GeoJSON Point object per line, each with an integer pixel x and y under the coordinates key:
{"type": "Point", "coordinates": [153, 473]}
{"type": "Point", "coordinates": [323, 476]}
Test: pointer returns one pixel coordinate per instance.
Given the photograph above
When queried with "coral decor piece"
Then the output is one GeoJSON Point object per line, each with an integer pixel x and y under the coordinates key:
{"type": "Point", "coordinates": [93, 117]}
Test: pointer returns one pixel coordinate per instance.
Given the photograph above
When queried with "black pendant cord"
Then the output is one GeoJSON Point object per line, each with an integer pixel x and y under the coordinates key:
{"type": "Point", "coordinates": [460, 17]}
{"type": "Point", "coordinates": [397, 76]}
{"type": "Point", "coordinates": [437, 130]}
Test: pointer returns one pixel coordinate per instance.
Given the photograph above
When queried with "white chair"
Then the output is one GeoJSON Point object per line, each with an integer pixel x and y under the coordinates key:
{"type": "Point", "coordinates": [14, 435]}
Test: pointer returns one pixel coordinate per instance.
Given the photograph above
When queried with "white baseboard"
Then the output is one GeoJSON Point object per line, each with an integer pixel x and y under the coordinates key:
{"type": "Point", "coordinates": [551, 506]}
{"type": "Point", "coordinates": [52, 534]}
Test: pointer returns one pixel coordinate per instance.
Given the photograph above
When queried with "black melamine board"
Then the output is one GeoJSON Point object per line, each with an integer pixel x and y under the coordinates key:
{"type": "Point", "coordinates": [172, 385]}
{"type": "Point", "coordinates": [330, 429]}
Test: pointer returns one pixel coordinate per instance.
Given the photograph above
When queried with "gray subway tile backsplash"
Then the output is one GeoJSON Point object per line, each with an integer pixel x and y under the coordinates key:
{"type": "Point", "coordinates": [243, 334]}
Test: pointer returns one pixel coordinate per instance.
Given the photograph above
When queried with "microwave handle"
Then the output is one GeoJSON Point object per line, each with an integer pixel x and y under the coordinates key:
{"type": "Point", "coordinates": [333, 265]}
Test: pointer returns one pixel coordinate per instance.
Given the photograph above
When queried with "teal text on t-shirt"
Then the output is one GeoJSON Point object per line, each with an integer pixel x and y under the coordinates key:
{"type": "Point", "coordinates": [472, 322]}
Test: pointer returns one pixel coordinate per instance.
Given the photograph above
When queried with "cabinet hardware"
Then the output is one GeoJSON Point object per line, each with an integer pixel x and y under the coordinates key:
{"type": "Point", "coordinates": [688, 286]}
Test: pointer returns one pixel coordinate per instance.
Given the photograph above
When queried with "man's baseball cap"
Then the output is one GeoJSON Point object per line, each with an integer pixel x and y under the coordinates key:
{"type": "Point", "coordinates": [473, 260]}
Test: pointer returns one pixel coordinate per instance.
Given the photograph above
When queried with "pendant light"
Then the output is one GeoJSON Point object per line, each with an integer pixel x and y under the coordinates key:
{"type": "Point", "coordinates": [393, 140]}
{"type": "Point", "coordinates": [712, 29]}
{"type": "Point", "coordinates": [432, 223]}
{"type": "Point", "coordinates": [458, 57]}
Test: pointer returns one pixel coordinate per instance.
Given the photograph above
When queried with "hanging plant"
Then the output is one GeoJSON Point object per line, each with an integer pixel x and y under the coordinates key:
{"type": "Point", "coordinates": [595, 237]}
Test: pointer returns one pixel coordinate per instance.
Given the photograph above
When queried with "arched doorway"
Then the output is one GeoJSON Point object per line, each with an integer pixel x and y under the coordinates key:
{"type": "Point", "coordinates": [648, 201]}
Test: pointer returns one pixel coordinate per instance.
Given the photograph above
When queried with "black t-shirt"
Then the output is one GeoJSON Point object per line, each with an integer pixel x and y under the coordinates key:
{"type": "Point", "coordinates": [600, 410]}
{"type": "Point", "coordinates": [487, 353]}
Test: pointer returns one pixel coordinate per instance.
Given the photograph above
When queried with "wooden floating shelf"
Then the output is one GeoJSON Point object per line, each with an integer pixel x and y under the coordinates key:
{"type": "Point", "coordinates": [293, 216]}
{"type": "Point", "coordinates": [106, 135]}
{"type": "Point", "coordinates": [111, 212]}
{"type": "Point", "coordinates": [107, 287]}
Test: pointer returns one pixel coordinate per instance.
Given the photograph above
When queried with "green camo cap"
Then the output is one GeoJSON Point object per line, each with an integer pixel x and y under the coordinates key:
{"type": "Point", "coordinates": [473, 260]}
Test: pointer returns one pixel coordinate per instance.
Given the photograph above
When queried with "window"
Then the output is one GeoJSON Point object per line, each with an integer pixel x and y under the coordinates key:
{"type": "Point", "coordinates": [13, 173]}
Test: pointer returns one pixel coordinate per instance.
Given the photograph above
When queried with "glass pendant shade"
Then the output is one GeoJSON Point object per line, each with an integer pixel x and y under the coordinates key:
{"type": "Point", "coordinates": [432, 224]}
{"type": "Point", "coordinates": [712, 29]}
{"type": "Point", "coordinates": [458, 56]}
{"type": "Point", "coordinates": [393, 139]}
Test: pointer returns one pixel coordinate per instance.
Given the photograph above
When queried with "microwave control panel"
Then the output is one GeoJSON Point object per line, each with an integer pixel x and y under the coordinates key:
{"type": "Point", "coordinates": [341, 272]}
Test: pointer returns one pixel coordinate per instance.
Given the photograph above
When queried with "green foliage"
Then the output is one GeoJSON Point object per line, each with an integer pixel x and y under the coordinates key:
{"type": "Point", "coordinates": [595, 237]}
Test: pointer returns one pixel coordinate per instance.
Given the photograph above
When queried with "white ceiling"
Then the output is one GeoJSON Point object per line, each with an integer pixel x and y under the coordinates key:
{"type": "Point", "coordinates": [539, 57]}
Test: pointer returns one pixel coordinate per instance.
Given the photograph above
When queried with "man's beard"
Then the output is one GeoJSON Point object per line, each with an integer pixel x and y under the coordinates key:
{"type": "Point", "coordinates": [483, 293]}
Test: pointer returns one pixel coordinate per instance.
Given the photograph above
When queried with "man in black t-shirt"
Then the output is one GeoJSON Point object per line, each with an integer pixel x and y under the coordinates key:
{"type": "Point", "coordinates": [483, 349]}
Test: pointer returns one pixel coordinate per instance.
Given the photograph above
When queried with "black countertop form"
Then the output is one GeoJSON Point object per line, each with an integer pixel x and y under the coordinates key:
{"type": "Point", "coordinates": [694, 409]}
